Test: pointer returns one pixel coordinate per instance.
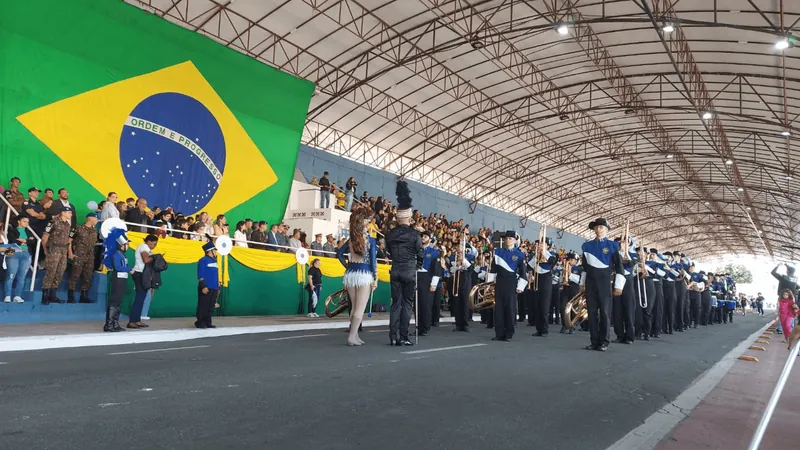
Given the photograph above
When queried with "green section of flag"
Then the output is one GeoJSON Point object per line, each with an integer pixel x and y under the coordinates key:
{"type": "Point", "coordinates": [54, 49]}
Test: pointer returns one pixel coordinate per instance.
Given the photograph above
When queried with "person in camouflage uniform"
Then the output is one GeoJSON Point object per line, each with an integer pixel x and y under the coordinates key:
{"type": "Point", "coordinates": [83, 239]}
{"type": "Point", "coordinates": [55, 243]}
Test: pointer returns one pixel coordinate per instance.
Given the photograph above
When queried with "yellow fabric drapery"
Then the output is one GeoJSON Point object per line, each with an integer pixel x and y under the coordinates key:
{"type": "Point", "coordinates": [184, 251]}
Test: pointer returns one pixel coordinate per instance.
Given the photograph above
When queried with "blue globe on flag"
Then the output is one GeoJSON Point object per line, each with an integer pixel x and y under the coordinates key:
{"type": "Point", "coordinates": [172, 152]}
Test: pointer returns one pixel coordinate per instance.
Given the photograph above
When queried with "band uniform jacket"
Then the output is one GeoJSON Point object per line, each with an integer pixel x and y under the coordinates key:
{"type": "Point", "coordinates": [404, 246]}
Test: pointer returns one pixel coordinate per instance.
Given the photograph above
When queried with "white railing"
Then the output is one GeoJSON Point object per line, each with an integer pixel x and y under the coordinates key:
{"type": "Point", "coordinates": [776, 396]}
{"type": "Point", "coordinates": [9, 209]}
{"type": "Point", "coordinates": [273, 247]}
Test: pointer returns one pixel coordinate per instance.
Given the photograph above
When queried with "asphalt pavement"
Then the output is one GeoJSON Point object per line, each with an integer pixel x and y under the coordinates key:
{"type": "Point", "coordinates": [308, 390]}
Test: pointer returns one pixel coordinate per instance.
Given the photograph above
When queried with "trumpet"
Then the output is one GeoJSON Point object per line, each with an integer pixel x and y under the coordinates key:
{"type": "Point", "coordinates": [460, 255]}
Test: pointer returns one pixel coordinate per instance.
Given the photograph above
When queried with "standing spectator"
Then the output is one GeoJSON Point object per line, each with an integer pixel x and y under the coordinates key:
{"type": "Point", "coordinates": [55, 244]}
{"type": "Point", "coordinates": [316, 246]}
{"type": "Point", "coordinates": [272, 238]}
{"type": "Point", "coordinates": [283, 237]}
{"type": "Point", "coordinates": [47, 199]}
{"type": "Point", "coordinates": [260, 235]}
{"type": "Point", "coordinates": [350, 192]}
{"type": "Point", "coordinates": [330, 246]}
{"type": "Point", "coordinates": [315, 181]}
{"type": "Point", "coordinates": [324, 191]}
{"type": "Point", "coordinates": [760, 303]}
{"type": "Point", "coordinates": [17, 263]}
{"type": "Point", "coordinates": [143, 256]}
{"type": "Point", "coordinates": [785, 311]}
{"type": "Point", "coordinates": [304, 240]}
{"type": "Point", "coordinates": [365, 198]}
{"type": "Point", "coordinates": [248, 228]}
{"type": "Point", "coordinates": [82, 239]}
{"type": "Point", "coordinates": [138, 216]}
{"type": "Point", "coordinates": [340, 197]}
{"type": "Point", "coordinates": [62, 203]}
{"type": "Point", "coordinates": [109, 206]}
{"type": "Point", "coordinates": [35, 211]}
{"type": "Point", "coordinates": [221, 227]}
{"type": "Point", "coordinates": [314, 287]}
{"type": "Point", "coordinates": [294, 241]}
{"type": "Point", "coordinates": [14, 196]}
{"type": "Point", "coordinates": [239, 236]}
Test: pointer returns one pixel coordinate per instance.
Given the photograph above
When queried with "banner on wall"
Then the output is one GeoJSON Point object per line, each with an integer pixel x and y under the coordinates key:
{"type": "Point", "coordinates": [136, 105]}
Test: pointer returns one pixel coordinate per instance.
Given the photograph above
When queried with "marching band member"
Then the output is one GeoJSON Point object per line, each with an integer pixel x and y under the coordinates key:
{"type": "Point", "coordinates": [571, 289]}
{"type": "Point", "coordinates": [705, 300]}
{"type": "Point", "coordinates": [462, 284]}
{"type": "Point", "coordinates": [645, 294]}
{"type": "Point", "coordinates": [657, 264]}
{"type": "Point", "coordinates": [427, 279]}
{"type": "Point", "coordinates": [601, 259]}
{"type": "Point", "coordinates": [529, 293]}
{"type": "Point", "coordinates": [696, 285]}
{"type": "Point", "coordinates": [482, 268]}
{"type": "Point", "coordinates": [555, 294]}
{"type": "Point", "coordinates": [525, 299]}
{"type": "Point", "coordinates": [624, 310]}
{"type": "Point", "coordinates": [670, 293]}
{"type": "Point", "coordinates": [404, 246]}
{"type": "Point", "coordinates": [361, 276]}
{"type": "Point", "coordinates": [544, 294]}
{"type": "Point", "coordinates": [687, 302]}
{"type": "Point", "coordinates": [509, 265]}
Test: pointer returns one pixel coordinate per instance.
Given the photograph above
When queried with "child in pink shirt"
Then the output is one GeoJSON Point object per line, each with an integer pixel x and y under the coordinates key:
{"type": "Point", "coordinates": [785, 311]}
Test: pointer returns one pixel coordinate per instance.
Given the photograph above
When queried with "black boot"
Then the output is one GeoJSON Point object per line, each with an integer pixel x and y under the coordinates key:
{"type": "Point", "coordinates": [70, 296]}
{"type": "Point", "coordinates": [53, 297]}
{"type": "Point", "coordinates": [115, 310]}
{"type": "Point", "coordinates": [85, 297]}
{"type": "Point", "coordinates": [45, 296]}
{"type": "Point", "coordinates": [109, 326]}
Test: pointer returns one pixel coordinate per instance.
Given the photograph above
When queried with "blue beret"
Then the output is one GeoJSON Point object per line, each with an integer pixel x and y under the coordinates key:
{"type": "Point", "coordinates": [91, 214]}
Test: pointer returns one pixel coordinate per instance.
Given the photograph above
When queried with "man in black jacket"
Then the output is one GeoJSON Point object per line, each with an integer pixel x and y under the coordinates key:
{"type": "Point", "coordinates": [404, 246]}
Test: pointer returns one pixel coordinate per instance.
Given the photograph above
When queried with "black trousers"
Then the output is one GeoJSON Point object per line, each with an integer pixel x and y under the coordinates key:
{"type": "Point", "coordinates": [680, 305]}
{"type": "Point", "coordinates": [521, 299]}
{"type": "Point", "coordinates": [436, 307]}
{"type": "Point", "coordinates": [205, 306]}
{"type": "Point", "coordinates": [567, 293]}
{"type": "Point", "coordinates": [669, 306]}
{"type": "Point", "coordinates": [644, 320]}
{"type": "Point", "coordinates": [461, 301]}
{"type": "Point", "coordinates": [530, 305]}
{"type": "Point", "coordinates": [505, 292]}
{"type": "Point", "coordinates": [694, 307]}
{"type": "Point", "coordinates": [598, 300]}
{"type": "Point", "coordinates": [705, 302]}
{"type": "Point", "coordinates": [658, 308]}
{"type": "Point", "coordinates": [425, 298]}
{"type": "Point", "coordinates": [543, 298]}
{"type": "Point", "coordinates": [624, 311]}
{"type": "Point", "coordinates": [555, 298]}
{"type": "Point", "coordinates": [404, 287]}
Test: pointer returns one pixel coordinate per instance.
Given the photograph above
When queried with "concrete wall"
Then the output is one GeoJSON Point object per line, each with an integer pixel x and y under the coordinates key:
{"type": "Point", "coordinates": [312, 162]}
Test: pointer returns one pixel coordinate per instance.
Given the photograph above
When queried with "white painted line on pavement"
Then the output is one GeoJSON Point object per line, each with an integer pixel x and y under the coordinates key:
{"type": "Point", "coordinates": [442, 349]}
{"type": "Point", "coordinates": [100, 339]}
{"type": "Point", "coordinates": [647, 435]}
{"type": "Point", "coordinates": [297, 337]}
{"type": "Point", "coordinates": [1, 363]}
{"type": "Point", "coordinates": [159, 350]}
{"type": "Point", "coordinates": [106, 405]}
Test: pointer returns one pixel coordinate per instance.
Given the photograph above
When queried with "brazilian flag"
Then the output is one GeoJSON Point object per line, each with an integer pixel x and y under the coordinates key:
{"type": "Point", "coordinates": [99, 96]}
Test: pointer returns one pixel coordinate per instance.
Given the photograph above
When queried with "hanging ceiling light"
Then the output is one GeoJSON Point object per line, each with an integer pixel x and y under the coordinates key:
{"type": "Point", "coordinates": [740, 189]}
{"type": "Point", "coordinates": [562, 29]}
{"type": "Point", "coordinates": [669, 156]}
{"type": "Point", "coordinates": [783, 44]}
{"type": "Point", "coordinates": [668, 28]}
{"type": "Point", "coordinates": [729, 162]}
{"type": "Point", "coordinates": [707, 115]}
{"type": "Point", "coordinates": [786, 133]}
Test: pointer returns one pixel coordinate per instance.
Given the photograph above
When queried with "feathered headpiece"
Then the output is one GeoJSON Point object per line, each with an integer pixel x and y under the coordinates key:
{"type": "Point", "coordinates": [403, 200]}
{"type": "Point", "coordinates": [115, 238]}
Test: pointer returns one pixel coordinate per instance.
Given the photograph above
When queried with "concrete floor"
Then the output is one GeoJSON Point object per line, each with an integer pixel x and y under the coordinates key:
{"type": "Point", "coordinates": [307, 390]}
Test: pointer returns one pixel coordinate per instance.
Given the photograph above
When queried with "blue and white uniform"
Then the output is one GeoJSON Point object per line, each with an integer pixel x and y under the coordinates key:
{"type": "Point", "coordinates": [509, 266]}
{"type": "Point", "coordinates": [602, 264]}
{"type": "Point", "coordinates": [362, 273]}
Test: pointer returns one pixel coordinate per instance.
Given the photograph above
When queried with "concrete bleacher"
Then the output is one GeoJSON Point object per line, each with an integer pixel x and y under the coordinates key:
{"type": "Point", "coordinates": [303, 212]}
{"type": "Point", "coordinates": [34, 311]}
{"type": "Point", "coordinates": [313, 163]}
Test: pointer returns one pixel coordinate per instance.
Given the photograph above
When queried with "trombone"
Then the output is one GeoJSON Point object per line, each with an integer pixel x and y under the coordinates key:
{"type": "Point", "coordinates": [457, 264]}
{"type": "Point", "coordinates": [538, 255]}
{"type": "Point", "coordinates": [640, 280]}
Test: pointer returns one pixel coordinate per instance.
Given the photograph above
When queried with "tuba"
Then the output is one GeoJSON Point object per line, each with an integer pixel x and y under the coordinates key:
{"type": "Point", "coordinates": [575, 311]}
{"type": "Point", "coordinates": [481, 296]}
{"type": "Point", "coordinates": [336, 303]}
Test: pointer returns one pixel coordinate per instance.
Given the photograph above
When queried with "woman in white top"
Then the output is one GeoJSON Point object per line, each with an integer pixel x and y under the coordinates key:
{"type": "Point", "coordinates": [239, 235]}
{"type": "Point", "coordinates": [109, 208]}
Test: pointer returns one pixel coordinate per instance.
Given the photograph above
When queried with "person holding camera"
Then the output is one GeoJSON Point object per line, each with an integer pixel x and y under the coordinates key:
{"type": "Point", "coordinates": [350, 193]}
